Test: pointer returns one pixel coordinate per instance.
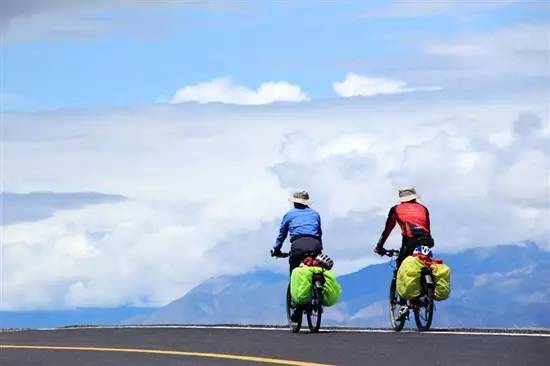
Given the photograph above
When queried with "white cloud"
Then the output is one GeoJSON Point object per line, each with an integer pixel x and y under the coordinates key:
{"type": "Point", "coordinates": [455, 8]}
{"type": "Point", "coordinates": [223, 90]}
{"type": "Point", "coordinates": [61, 19]}
{"type": "Point", "coordinates": [207, 186]}
{"type": "Point", "coordinates": [520, 50]}
{"type": "Point", "coordinates": [75, 20]}
{"type": "Point", "coordinates": [358, 85]}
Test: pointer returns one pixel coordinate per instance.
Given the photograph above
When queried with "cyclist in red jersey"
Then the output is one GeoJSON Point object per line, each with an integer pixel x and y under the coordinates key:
{"type": "Point", "coordinates": [414, 220]}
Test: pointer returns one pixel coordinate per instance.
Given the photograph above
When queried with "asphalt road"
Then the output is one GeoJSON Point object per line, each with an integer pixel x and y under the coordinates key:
{"type": "Point", "coordinates": [209, 346]}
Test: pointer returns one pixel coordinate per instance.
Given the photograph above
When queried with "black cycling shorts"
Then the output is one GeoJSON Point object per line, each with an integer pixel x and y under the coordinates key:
{"type": "Point", "coordinates": [409, 244]}
{"type": "Point", "coordinates": [301, 248]}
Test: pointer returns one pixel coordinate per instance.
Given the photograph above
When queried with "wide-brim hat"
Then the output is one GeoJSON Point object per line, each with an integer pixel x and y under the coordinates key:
{"type": "Point", "coordinates": [407, 194]}
{"type": "Point", "coordinates": [301, 196]}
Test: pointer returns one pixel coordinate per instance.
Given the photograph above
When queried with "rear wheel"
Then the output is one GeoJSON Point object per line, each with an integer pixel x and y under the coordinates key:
{"type": "Point", "coordinates": [397, 322]}
{"type": "Point", "coordinates": [423, 314]}
{"type": "Point", "coordinates": [315, 313]}
{"type": "Point", "coordinates": [290, 308]}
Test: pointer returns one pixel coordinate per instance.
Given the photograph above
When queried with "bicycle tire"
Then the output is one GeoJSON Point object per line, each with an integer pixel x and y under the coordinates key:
{"type": "Point", "coordinates": [315, 313]}
{"type": "Point", "coordinates": [393, 305]}
{"type": "Point", "coordinates": [423, 323]}
{"type": "Point", "coordinates": [294, 326]}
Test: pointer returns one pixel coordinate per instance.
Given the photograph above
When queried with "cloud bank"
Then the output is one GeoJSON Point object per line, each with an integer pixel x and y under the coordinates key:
{"type": "Point", "coordinates": [520, 50]}
{"type": "Point", "coordinates": [206, 186]}
{"type": "Point", "coordinates": [40, 205]}
{"type": "Point", "coordinates": [453, 8]}
{"type": "Point", "coordinates": [223, 90]}
{"type": "Point", "coordinates": [357, 85]}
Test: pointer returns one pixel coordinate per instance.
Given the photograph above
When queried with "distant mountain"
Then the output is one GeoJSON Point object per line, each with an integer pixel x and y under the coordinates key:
{"type": "Point", "coordinates": [254, 298]}
{"type": "Point", "coordinates": [80, 316]}
{"type": "Point", "coordinates": [503, 286]}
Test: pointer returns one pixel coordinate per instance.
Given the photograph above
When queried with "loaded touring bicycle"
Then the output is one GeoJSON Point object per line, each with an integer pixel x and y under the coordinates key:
{"type": "Point", "coordinates": [430, 282]}
{"type": "Point", "coordinates": [318, 287]}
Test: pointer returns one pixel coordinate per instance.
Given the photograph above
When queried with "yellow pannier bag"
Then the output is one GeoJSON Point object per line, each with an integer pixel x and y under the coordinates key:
{"type": "Point", "coordinates": [442, 278]}
{"type": "Point", "coordinates": [408, 277]}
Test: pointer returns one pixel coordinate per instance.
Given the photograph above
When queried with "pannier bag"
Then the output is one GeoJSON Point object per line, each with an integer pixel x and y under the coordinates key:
{"type": "Point", "coordinates": [331, 289]}
{"type": "Point", "coordinates": [442, 278]}
{"type": "Point", "coordinates": [301, 281]}
{"type": "Point", "coordinates": [408, 277]}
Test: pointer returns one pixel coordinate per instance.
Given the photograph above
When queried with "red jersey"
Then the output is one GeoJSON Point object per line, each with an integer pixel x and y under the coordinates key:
{"type": "Point", "coordinates": [412, 217]}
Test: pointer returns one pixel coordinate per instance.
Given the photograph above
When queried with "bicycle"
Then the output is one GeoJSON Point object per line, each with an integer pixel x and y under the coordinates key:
{"type": "Point", "coordinates": [313, 309]}
{"type": "Point", "coordinates": [422, 305]}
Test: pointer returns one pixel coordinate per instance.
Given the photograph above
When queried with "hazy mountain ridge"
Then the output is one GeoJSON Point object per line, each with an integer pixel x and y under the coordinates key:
{"type": "Point", "coordinates": [78, 316]}
{"type": "Point", "coordinates": [503, 286]}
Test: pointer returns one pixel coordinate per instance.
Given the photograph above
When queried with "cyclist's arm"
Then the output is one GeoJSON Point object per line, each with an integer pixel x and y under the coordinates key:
{"type": "Point", "coordinates": [428, 219]}
{"type": "Point", "coordinates": [283, 232]}
{"type": "Point", "coordinates": [390, 224]}
{"type": "Point", "coordinates": [320, 230]}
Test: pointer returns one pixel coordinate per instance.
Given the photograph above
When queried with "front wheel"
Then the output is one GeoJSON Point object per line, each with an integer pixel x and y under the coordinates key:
{"type": "Point", "coordinates": [290, 308]}
{"type": "Point", "coordinates": [423, 314]}
{"type": "Point", "coordinates": [314, 313]}
{"type": "Point", "coordinates": [396, 320]}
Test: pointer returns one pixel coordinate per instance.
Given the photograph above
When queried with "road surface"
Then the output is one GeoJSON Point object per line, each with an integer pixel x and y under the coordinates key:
{"type": "Point", "coordinates": [198, 346]}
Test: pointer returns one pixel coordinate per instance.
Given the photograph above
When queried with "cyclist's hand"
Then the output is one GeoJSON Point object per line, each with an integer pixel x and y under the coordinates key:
{"type": "Point", "coordinates": [379, 250]}
{"type": "Point", "coordinates": [276, 252]}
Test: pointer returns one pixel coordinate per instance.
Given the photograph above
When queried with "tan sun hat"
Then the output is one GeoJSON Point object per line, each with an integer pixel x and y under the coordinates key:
{"type": "Point", "coordinates": [407, 194]}
{"type": "Point", "coordinates": [300, 196]}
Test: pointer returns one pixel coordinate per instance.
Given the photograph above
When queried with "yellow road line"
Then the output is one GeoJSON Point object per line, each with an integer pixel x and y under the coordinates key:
{"type": "Point", "coordinates": [275, 361]}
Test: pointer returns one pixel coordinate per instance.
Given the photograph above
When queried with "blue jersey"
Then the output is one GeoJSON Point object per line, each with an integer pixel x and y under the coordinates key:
{"type": "Point", "coordinates": [299, 222]}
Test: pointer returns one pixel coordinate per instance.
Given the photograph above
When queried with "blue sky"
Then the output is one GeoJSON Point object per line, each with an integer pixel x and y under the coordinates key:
{"type": "Point", "coordinates": [134, 130]}
{"type": "Point", "coordinates": [137, 52]}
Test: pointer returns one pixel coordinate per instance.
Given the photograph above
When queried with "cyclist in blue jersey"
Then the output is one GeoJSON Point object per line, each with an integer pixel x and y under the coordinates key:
{"type": "Point", "coordinates": [303, 225]}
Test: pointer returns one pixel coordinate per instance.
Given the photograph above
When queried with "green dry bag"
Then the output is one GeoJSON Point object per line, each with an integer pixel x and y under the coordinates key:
{"type": "Point", "coordinates": [442, 278]}
{"type": "Point", "coordinates": [301, 281]}
{"type": "Point", "coordinates": [300, 284]}
{"type": "Point", "coordinates": [408, 277]}
{"type": "Point", "coordinates": [331, 289]}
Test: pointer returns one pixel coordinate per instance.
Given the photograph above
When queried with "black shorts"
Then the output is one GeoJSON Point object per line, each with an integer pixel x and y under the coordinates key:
{"type": "Point", "coordinates": [301, 248]}
{"type": "Point", "coordinates": [409, 244]}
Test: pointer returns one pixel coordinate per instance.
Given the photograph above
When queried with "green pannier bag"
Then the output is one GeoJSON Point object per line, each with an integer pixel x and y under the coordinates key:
{"type": "Point", "coordinates": [300, 284]}
{"type": "Point", "coordinates": [331, 289]}
{"type": "Point", "coordinates": [408, 277]}
{"type": "Point", "coordinates": [442, 278]}
{"type": "Point", "coordinates": [301, 281]}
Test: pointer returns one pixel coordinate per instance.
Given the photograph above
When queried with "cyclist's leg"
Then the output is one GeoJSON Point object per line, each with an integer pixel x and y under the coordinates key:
{"type": "Point", "coordinates": [407, 248]}
{"type": "Point", "coordinates": [294, 261]}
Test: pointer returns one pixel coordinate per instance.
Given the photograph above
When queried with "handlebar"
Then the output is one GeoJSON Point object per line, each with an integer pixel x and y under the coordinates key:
{"type": "Point", "coordinates": [391, 252]}
{"type": "Point", "coordinates": [279, 254]}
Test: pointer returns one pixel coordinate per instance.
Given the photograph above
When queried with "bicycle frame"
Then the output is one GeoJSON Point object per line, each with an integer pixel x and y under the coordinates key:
{"type": "Point", "coordinates": [318, 281]}
{"type": "Point", "coordinates": [427, 283]}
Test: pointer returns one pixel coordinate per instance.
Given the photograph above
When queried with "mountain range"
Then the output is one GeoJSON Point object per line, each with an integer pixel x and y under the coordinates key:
{"type": "Point", "coordinates": [501, 286]}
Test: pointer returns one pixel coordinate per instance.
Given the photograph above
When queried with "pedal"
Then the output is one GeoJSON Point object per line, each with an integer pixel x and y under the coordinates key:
{"type": "Point", "coordinates": [403, 314]}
